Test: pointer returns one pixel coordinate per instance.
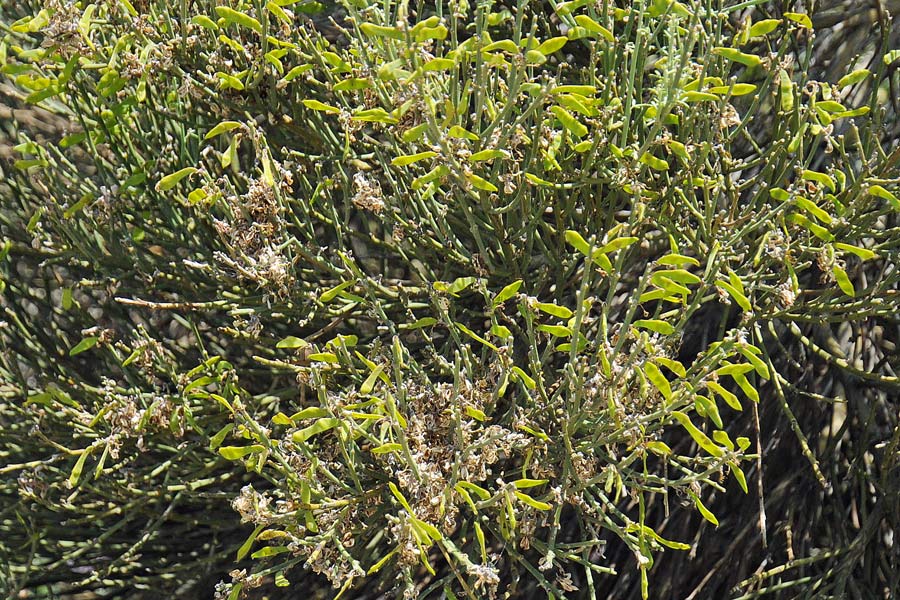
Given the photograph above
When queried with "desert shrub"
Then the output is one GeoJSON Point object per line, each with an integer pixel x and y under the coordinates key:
{"type": "Point", "coordinates": [455, 299]}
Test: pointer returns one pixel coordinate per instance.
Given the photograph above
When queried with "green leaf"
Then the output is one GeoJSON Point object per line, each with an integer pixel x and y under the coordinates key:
{"type": "Point", "coordinates": [387, 448]}
{"type": "Point", "coordinates": [679, 150]}
{"type": "Point", "coordinates": [678, 275]}
{"type": "Point", "coordinates": [439, 64]}
{"type": "Point", "coordinates": [647, 531]}
{"type": "Point", "coordinates": [800, 18]}
{"type": "Point", "coordinates": [785, 91]}
{"type": "Point", "coordinates": [435, 173]}
{"type": "Point", "coordinates": [471, 487]}
{"type": "Point", "coordinates": [134, 356]}
{"type": "Point", "coordinates": [754, 360]}
{"type": "Point", "coordinates": [700, 97]}
{"type": "Point", "coordinates": [414, 133]}
{"type": "Point", "coordinates": [319, 426]}
{"type": "Point", "coordinates": [673, 365]}
{"type": "Point", "coordinates": [594, 27]}
{"type": "Point", "coordinates": [461, 133]}
{"type": "Point", "coordinates": [205, 22]}
{"type": "Point", "coordinates": [843, 281]}
{"type": "Point", "coordinates": [817, 230]}
{"type": "Point", "coordinates": [420, 323]}
{"type": "Point", "coordinates": [812, 208]}
{"type": "Point", "coordinates": [232, 16]}
{"type": "Point", "coordinates": [430, 530]}
{"type": "Point", "coordinates": [736, 294]}
{"type": "Point", "coordinates": [701, 438]}
{"type": "Point", "coordinates": [556, 330]}
{"type": "Point", "coordinates": [616, 245]}
{"type": "Point", "coordinates": [535, 180]}
{"type": "Point", "coordinates": [292, 342]}
{"type": "Point", "coordinates": [400, 498]}
{"type": "Point", "coordinates": [329, 295]}
{"type": "Point", "coordinates": [475, 336]}
{"type": "Point", "coordinates": [216, 440]}
{"type": "Point", "coordinates": [479, 534]}
{"type": "Point", "coordinates": [352, 84]}
{"type": "Point", "coordinates": [75, 475]}
{"type": "Point", "coordinates": [739, 475]}
{"type": "Point", "coordinates": [703, 510]}
{"type": "Point", "coordinates": [653, 162]}
{"type": "Point", "coordinates": [880, 192]}
{"type": "Point", "coordinates": [41, 95]}
{"type": "Point", "coordinates": [374, 115]}
{"type": "Point", "coordinates": [247, 545]}
{"type": "Point", "coordinates": [481, 183]}
{"type": "Point", "coordinates": [655, 325]}
{"type": "Point", "coordinates": [733, 369]}
{"type": "Point", "coordinates": [460, 284]}
{"type": "Point", "coordinates": [658, 294]}
{"type": "Point", "coordinates": [730, 399]}
{"type": "Point", "coordinates": [580, 105]}
{"type": "Point", "coordinates": [658, 380]}
{"type": "Point", "coordinates": [501, 331]}
{"type": "Point", "coordinates": [552, 309]}
{"type": "Point", "coordinates": [522, 484]}
{"type": "Point", "coordinates": [658, 447]}
{"type": "Point", "coordinates": [764, 27]}
{"type": "Point", "coordinates": [524, 378]}
{"type": "Point", "coordinates": [282, 419]}
{"type": "Point", "coordinates": [832, 107]}
{"type": "Point", "coordinates": [552, 45]}
{"type": "Point", "coordinates": [381, 31]}
{"type": "Point", "coordinates": [221, 128]}
{"type": "Point", "coordinates": [169, 181]}
{"type": "Point", "coordinates": [507, 46]}
{"type": "Point", "coordinates": [581, 90]}
{"type": "Point", "coordinates": [235, 592]}
{"type": "Point", "coordinates": [506, 293]}
{"type": "Point", "coordinates": [746, 386]}
{"type": "Point", "coordinates": [708, 408]}
{"type": "Point", "coordinates": [279, 12]}
{"type": "Point", "coordinates": [268, 551]}
{"type": "Point", "coordinates": [891, 56]}
{"type": "Point", "coordinates": [853, 78]}
{"type": "Point", "coordinates": [722, 439]}
{"type": "Point", "coordinates": [862, 253]}
{"type": "Point", "coordinates": [296, 72]}
{"type": "Point", "coordinates": [675, 260]}
{"type": "Point", "coordinates": [738, 89]}
{"type": "Point", "coordinates": [476, 414]}
{"type": "Point", "coordinates": [535, 432]}
{"type": "Point", "coordinates": [573, 125]}
{"type": "Point", "coordinates": [408, 159]}
{"type": "Point", "coordinates": [536, 504]}
{"type": "Point", "coordinates": [85, 344]}
{"type": "Point", "coordinates": [73, 140]}
{"type": "Point", "coordinates": [488, 154]}
{"type": "Point", "coordinates": [369, 384]}
{"type": "Point", "coordinates": [320, 106]}
{"type": "Point", "coordinates": [733, 54]}
{"type": "Point", "coordinates": [310, 412]}
{"type": "Point", "coordinates": [383, 561]}
{"type": "Point", "coordinates": [578, 242]}
{"type": "Point", "coordinates": [238, 452]}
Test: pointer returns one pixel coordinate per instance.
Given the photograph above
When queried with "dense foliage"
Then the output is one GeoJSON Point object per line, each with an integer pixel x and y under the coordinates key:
{"type": "Point", "coordinates": [463, 299]}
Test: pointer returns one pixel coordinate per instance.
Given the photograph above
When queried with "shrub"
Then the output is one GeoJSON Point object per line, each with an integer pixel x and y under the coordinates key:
{"type": "Point", "coordinates": [455, 299]}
